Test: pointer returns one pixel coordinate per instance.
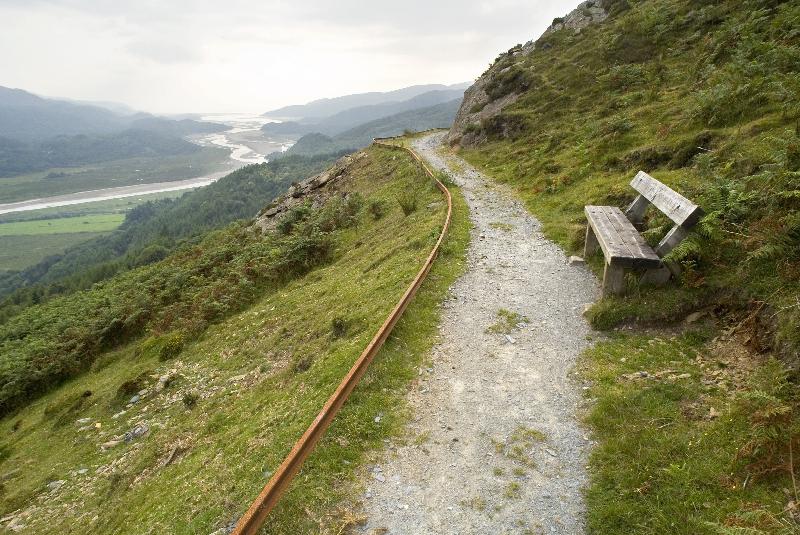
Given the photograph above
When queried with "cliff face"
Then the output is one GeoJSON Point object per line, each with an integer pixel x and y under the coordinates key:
{"type": "Point", "coordinates": [504, 82]}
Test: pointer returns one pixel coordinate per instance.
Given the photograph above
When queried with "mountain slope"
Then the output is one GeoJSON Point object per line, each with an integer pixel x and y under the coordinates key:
{"type": "Point", "coordinates": [326, 107]}
{"type": "Point", "coordinates": [27, 117]}
{"type": "Point", "coordinates": [717, 122]}
{"type": "Point", "coordinates": [18, 157]}
{"type": "Point", "coordinates": [354, 117]}
{"type": "Point", "coordinates": [250, 332]}
{"type": "Point", "coordinates": [415, 120]}
{"type": "Point", "coordinates": [38, 133]}
{"type": "Point", "coordinates": [705, 96]}
{"type": "Point", "coordinates": [154, 229]}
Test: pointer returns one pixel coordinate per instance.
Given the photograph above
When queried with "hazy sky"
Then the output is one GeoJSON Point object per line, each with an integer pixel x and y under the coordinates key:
{"type": "Point", "coordinates": [247, 55]}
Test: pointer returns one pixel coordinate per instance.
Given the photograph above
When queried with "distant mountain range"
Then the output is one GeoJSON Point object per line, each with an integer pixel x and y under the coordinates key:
{"type": "Point", "coordinates": [367, 115]}
{"type": "Point", "coordinates": [350, 118]}
{"type": "Point", "coordinates": [438, 116]}
{"type": "Point", "coordinates": [326, 107]}
{"type": "Point", "coordinates": [37, 133]}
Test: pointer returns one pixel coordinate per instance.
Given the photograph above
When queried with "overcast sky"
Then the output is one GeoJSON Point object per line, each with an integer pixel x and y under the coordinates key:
{"type": "Point", "coordinates": [172, 56]}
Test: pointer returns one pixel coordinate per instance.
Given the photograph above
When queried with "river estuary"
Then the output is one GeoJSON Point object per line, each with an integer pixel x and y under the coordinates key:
{"type": "Point", "coordinates": [244, 139]}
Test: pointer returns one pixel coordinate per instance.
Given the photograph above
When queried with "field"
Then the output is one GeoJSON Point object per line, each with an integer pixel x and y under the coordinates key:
{"type": "Point", "coordinates": [64, 225]}
{"type": "Point", "coordinates": [20, 252]}
{"type": "Point", "coordinates": [112, 174]}
{"type": "Point", "coordinates": [29, 237]}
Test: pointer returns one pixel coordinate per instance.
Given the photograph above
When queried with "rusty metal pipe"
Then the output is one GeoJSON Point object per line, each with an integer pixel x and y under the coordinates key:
{"type": "Point", "coordinates": [256, 515]}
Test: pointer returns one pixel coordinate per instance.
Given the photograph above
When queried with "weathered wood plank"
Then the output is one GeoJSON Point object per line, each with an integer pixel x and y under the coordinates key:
{"type": "Point", "coordinates": [637, 209]}
{"type": "Point", "coordinates": [678, 208]}
{"type": "Point", "coordinates": [613, 280]}
{"type": "Point", "coordinates": [590, 245]}
{"type": "Point", "coordinates": [671, 240]}
{"type": "Point", "coordinates": [607, 236]}
{"type": "Point", "coordinates": [621, 243]}
{"type": "Point", "coordinates": [634, 241]}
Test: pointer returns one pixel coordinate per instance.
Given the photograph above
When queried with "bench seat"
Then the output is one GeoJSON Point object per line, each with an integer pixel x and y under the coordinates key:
{"type": "Point", "coordinates": [621, 243]}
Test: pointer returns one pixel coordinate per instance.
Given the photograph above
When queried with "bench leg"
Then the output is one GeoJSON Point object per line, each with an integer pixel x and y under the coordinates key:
{"type": "Point", "coordinates": [591, 244]}
{"type": "Point", "coordinates": [613, 280]}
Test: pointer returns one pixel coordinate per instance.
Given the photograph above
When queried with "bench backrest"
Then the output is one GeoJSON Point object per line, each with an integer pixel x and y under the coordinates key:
{"type": "Point", "coordinates": [683, 212]}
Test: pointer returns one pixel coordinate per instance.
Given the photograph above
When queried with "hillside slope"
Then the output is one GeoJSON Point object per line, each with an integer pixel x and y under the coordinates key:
{"type": "Point", "coordinates": [704, 96]}
{"type": "Point", "coordinates": [192, 377]}
{"type": "Point", "coordinates": [695, 397]}
{"type": "Point", "coordinates": [153, 230]}
{"type": "Point", "coordinates": [39, 133]}
{"type": "Point", "coordinates": [354, 117]}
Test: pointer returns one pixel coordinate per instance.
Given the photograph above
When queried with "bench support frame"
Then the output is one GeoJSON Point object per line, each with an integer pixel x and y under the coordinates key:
{"type": "Point", "coordinates": [678, 208]}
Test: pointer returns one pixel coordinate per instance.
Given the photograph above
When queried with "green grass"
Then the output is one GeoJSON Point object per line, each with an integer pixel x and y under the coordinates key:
{"type": "Point", "coordinates": [507, 322]}
{"type": "Point", "coordinates": [29, 237]}
{"type": "Point", "coordinates": [665, 462]}
{"type": "Point", "coordinates": [112, 174]}
{"type": "Point", "coordinates": [111, 206]}
{"type": "Point", "coordinates": [259, 378]}
{"type": "Point", "coordinates": [598, 113]}
{"type": "Point", "coordinates": [97, 223]}
{"type": "Point", "coordinates": [702, 96]}
{"type": "Point", "coordinates": [21, 251]}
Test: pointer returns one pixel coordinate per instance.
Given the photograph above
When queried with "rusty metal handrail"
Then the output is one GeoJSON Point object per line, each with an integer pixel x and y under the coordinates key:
{"type": "Point", "coordinates": [256, 515]}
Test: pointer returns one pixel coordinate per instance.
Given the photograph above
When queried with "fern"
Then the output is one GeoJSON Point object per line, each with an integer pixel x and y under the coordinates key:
{"type": "Point", "coordinates": [755, 522]}
{"type": "Point", "coordinates": [688, 250]}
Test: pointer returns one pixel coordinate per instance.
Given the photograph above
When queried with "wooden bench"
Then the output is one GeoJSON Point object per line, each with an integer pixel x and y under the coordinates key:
{"type": "Point", "coordinates": [623, 247]}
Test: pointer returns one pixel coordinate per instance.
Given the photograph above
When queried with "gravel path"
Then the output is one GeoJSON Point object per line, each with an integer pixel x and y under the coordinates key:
{"type": "Point", "coordinates": [494, 445]}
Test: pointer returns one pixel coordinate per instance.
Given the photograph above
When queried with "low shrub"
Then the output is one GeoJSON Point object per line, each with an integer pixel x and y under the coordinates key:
{"type": "Point", "coordinates": [171, 346]}
{"type": "Point", "coordinates": [377, 209]}
{"type": "Point", "coordinates": [513, 79]}
{"type": "Point", "coordinates": [408, 201]}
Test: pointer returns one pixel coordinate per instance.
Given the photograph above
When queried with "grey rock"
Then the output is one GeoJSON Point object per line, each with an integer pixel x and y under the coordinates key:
{"type": "Point", "coordinates": [16, 525]}
{"type": "Point", "coordinates": [55, 485]}
{"type": "Point", "coordinates": [138, 431]}
{"type": "Point", "coordinates": [576, 261]}
{"type": "Point", "coordinates": [477, 106]}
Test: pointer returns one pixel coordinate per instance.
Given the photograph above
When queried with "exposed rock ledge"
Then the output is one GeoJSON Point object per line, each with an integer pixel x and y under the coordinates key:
{"type": "Point", "coordinates": [315, 190]}
{"type": "Point", "coordinates": [478, 105]}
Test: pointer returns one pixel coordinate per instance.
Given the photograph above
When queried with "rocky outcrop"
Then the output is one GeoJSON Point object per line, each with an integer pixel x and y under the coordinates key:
{"type": "Point", "coordinates": [314, 190]}
{"type": "Point", "coordinates": [483, 101]}
{"type": "Point", "coordinates": [586, 13]}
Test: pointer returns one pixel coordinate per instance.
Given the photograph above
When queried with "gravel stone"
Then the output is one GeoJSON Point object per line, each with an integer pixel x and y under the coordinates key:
{"type": "Point", "coordinates": [492, 388]}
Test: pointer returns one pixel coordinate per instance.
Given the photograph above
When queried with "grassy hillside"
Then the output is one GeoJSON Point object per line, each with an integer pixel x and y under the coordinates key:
{"type": "Point", "coordinates": [154, 229]}
{"type": "Point", "coordinates": [230, 346]}
{"type": "Point", "coordinates": [705, 96]}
